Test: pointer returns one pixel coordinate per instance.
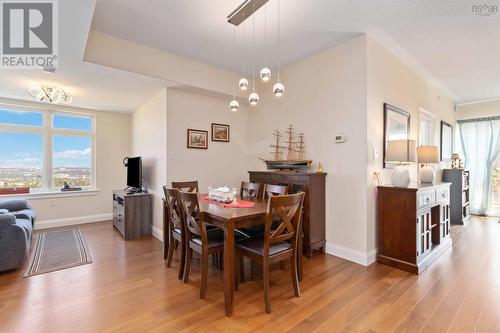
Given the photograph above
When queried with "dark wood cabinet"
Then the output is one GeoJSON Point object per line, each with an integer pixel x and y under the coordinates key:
{"type": "Point", "coordinates": [459, 198]}
{"type": "Point", "coordinates": [413, 225]}
{"type": "Point", "coordinates": [313, 184]}
{"type": "Point", "coordinates": [132, 214]}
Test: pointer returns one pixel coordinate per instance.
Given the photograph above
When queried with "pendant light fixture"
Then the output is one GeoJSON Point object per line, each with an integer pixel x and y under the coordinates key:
{"type": "Point", "coordinates": [278, 88]}
{"type": "Point", "coordinates": [265, 73]}
{"type": "Point", "coordinates": [233, 105]}
{"type": "Point", "coordinates": [243, 83]}
{"type": "Point", "coordinates": [254, 97]}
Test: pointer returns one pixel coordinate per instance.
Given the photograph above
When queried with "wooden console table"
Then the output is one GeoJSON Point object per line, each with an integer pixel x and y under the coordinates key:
{"type": "Point", "coordinates": [132, 214]}
{"type": "Point", "coordinates": [413, 225]}
{"type": "Point", "coordinates": [313, 184]}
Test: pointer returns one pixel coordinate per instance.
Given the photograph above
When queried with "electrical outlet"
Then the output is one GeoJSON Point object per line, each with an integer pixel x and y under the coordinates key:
{"type": "Point", "coordinates": [376, 153]}
{"type": "Point", "coordinates": [52, 203]}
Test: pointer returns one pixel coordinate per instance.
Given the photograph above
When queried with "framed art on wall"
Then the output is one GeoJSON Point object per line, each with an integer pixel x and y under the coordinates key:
{"type": "Point", "coordinates": [220, 132]}
{"type": "Point", "coordinates": [446, 141]}
{"type": "Point", "coordinates": [396, 127]}
{"type": "Point", "coordinates": [197, 139]}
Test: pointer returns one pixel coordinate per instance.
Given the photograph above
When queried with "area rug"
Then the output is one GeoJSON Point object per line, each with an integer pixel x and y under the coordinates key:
{"type": "Point", "coordinates": [58, 249]}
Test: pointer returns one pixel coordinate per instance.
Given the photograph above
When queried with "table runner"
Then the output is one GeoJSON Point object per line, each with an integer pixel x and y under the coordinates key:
{"type": "Point", "coordinates": [237, 204]}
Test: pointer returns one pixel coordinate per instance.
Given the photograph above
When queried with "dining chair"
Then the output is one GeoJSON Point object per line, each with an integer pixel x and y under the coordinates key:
{"type": "Point", "coordinates": [198, 238]}
{"type": "Point", "coordinates": [270, 190]}
{"type": "Point", "coordinates": [277, 244]}
{"type": "Point", "coordinates": [174, 229]}
{"type": "Point", "coordinates": [250, 191]}
{"type": "Point", "coordinates": [189, 186]}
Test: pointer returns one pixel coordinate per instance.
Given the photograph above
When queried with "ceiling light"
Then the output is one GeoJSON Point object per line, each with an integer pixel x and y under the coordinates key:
{"type": "Point", "coordinates": [233, 105]}
{"type": "Point", "coordinates": [265, 74]}
{"type": "Point", "coordinates": [278, 89]}
{"type": "Point", "coordinates": [243, 84]}
{"type": "Point", "coordinates": [54, 95]}
{"type": "Point", "coordinates": [253, 98]}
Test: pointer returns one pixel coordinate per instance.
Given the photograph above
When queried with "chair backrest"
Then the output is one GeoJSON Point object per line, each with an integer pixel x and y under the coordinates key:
{"type": "Point", "coordinates": [173, 208]}
{"type": "Point", "coordinates": [190, 186]}
{"type": "Point", "coordinates": [250, 191]}
{"type": "Point", "coordinates": [285, 213]}
{"type": "Point", "coordinates": [272, 190]}
{"type": "Point", "coordinates": [191, 212]}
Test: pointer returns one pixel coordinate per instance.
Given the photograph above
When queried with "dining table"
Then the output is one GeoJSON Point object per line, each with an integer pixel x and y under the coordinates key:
{"type": "Point", "coordinates": [228, 219]}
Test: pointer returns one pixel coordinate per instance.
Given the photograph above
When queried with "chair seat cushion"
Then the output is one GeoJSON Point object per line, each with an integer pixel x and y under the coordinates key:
{"type": "Point", "coordinates": [3, 211]}
{"type": "Point", "coordinates": [256, 245]}
{"type": "Point", "coordinates": [216, 237]}
{"type": "Point", "coordinates": [26, 224]}
{"type": "Point", "coordinates": [177, 231]}
{"type": "Point", "coordinates": [28, 214]}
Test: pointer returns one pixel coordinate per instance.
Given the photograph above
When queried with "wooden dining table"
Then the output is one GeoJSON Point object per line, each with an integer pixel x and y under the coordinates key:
{"type": "Point", "coordinates": [229, 219]}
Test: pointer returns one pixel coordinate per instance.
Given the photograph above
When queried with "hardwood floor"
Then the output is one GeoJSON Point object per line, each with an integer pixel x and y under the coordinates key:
{"type": "Point", "coordinates": [129, 289]}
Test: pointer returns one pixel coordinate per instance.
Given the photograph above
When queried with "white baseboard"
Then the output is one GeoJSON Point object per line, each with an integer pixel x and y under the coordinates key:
{"type": "Point", "coordinates": [157, 233]}
{"type": "Point", "coordinates": [359, 257]}
{"type": "Point", "coordinates": [73, 221]}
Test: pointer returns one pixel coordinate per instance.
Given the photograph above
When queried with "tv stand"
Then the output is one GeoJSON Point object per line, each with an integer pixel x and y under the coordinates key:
{"type": "Point", "coordinates": [132, 214]}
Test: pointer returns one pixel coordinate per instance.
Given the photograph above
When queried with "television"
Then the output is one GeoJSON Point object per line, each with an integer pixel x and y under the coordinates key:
{"type": "Point", "coordinates": [134, 172]}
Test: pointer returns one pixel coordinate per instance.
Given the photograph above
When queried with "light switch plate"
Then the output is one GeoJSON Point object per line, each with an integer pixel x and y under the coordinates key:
{"type": "Point", "coordinates": [376, 153]}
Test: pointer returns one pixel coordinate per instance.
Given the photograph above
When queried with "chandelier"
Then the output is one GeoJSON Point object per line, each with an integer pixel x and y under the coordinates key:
{"type": "Point", "coordinates": [54, 95]}
{"type": "Point", "coordinates": [238, 16]}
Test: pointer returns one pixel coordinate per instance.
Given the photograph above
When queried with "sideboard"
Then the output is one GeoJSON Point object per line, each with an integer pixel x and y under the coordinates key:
{"type": "Point", "coordinates": [313, 219]}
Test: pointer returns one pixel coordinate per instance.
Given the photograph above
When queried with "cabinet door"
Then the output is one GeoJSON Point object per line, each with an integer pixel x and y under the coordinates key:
{"type": "Point", "coordinates": [424, 237]}
{"type": "Point", "coordinates": [444, 223]}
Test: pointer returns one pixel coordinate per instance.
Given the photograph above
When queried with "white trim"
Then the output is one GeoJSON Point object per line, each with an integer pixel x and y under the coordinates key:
{"type": "Point", "coordinates": [478, 101]}
{"type": "Point", "coordinates": [73, 221]}
{"type": "Point", "coordinates": [358, 257]}
{"type": "Point", "coordinates": [50, 195]}
{"type": "Point", "coordinates": [157, 233]}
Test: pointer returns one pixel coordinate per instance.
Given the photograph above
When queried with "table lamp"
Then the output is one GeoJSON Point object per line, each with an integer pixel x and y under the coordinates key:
{"type": "Point", "coordinates": [427, 155]}
{"type": "Point", "coordinates": [402, 152]}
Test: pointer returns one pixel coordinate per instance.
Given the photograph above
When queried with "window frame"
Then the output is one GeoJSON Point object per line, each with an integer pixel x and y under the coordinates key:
{"type": "Point", "coordinates": [430, 118]}
{"type": "Point", "coordinates": [48, 132]}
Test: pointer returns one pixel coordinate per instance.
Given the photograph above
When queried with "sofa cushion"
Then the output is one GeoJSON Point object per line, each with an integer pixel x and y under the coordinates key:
{"type": "Point", "coordinates": [14, 204]}
{"type": "Point", "coordinates": [7, 219]}
{"type": "Point", "coordinates": [3, 211]}
{"type": "Point", "coordinates": [28, 214]}
{"type": "Point", "coordinates": [26, 224]}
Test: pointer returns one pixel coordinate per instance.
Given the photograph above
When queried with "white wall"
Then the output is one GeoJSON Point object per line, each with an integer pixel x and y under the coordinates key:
{"type": "Point", "coordinates": [479, 110]}
{"type": "Point", "coordinates": [390, 81]}
{"type": "Point", "coordinates": [223, 163]}
{"type": "Point", "coordinates": [112, 145]}
{"type": "Point", "coordinates": [325, 95]}
{"type": "Point", "coordinates": [149, 140]}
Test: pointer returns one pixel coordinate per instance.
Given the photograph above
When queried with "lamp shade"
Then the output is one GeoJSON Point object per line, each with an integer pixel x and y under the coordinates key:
{"type": "Point", "coordinates": [428, 154]}
{"type": "Point", "coordinates": [400, 151]}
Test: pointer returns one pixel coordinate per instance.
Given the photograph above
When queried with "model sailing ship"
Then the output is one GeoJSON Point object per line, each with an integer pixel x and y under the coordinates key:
{"type": "Point", "coordinates": [295, 152]}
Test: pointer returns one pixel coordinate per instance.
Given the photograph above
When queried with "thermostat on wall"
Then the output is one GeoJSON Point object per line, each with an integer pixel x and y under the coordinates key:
{"type": "Point", "coordinates": [340, 138]}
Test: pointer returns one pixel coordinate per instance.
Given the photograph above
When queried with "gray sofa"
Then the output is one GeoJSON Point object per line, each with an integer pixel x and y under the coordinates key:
{"type": "Point", "coordinates": [17, 221]}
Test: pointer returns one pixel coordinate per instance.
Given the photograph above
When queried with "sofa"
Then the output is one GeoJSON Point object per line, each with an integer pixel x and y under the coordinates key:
{"type": "Point", "coordinates": [17, 221]}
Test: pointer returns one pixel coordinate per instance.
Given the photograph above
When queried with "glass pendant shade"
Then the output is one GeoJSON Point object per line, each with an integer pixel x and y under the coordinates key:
{"type": "Point", "coordinates": [278, 89]}
{"type": "Point", "coordinates": [243, 84]}
{"type": "Point", "coordinates": [234, 105]}
{"type": "Point", "coordinates": [265, 74]}
{"type": "Point", "coordinates": [253, 98]}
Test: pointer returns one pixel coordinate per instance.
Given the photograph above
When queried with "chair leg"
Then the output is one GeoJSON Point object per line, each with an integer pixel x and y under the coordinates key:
{"type": "Point", "coordinates": [242, 268]}
{"type": "Point", "coordinates": [295, 276]}
{"type": "Point", "coordinates": [237, 268]}
{"type": "Point", "coordinates": [204, 274]}
{"type": "Point", "coordinates": [187, 263]}
{"type": "Point", "coordinates": [182, 260]}
{"type": "Point", "coordinates": [176, 242]}
{"type": "Point", "coordinates": [265, 273]}
{"type": "Point", "coordinates": [170, 251]}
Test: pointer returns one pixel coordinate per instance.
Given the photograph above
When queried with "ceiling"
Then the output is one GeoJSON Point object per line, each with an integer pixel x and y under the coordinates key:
{"type": "Point", "coordinates": [92, 86]}
{"type": "Point", "coordinates": [444, 39]}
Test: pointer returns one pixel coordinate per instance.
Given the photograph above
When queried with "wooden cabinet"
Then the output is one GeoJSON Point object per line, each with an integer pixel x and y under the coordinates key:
{"type": "Point", "coordinates": [459, 197]}
{"type": "Point", "coordinates": [413, 225]}
{"type": "Point", "coordinates": [132, 214]}
{"type": "Point", "coordinates": [313, 184]}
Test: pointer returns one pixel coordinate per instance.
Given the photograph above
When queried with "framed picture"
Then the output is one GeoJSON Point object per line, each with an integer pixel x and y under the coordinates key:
{"type": "Point", "coordinates": [396, 127]}
{"type": "Point", "coordinates": [197, 139]}
{"type": "Point", "coordinates": [446, 141]}
{"type": "Point", "coordinates": [220, 132]}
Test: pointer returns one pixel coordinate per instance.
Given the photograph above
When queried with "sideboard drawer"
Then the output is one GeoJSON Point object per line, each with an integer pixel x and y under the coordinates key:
{"type": "Point", "coordinates": [426, 198]}
{"type": "Point", "coordinates": [443, 195]}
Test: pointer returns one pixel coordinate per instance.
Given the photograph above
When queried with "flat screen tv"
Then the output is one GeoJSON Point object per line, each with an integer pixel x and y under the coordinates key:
{"type": "Point", "coordinates": [134, 172]}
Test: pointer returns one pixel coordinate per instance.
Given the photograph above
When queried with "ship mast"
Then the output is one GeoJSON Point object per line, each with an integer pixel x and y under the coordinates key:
{"type": "Point", "coordinates": [277, 146]}
{"type": "Point", "coordinates": [301, 149]}
{"type": "Point", "coordinates": [290, 143]}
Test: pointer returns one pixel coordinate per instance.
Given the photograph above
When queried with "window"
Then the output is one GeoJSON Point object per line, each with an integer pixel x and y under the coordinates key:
{"type": "Point", "coordinates": [44, 149]}
{"type": "Point", "coordinates": [426, 121]}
